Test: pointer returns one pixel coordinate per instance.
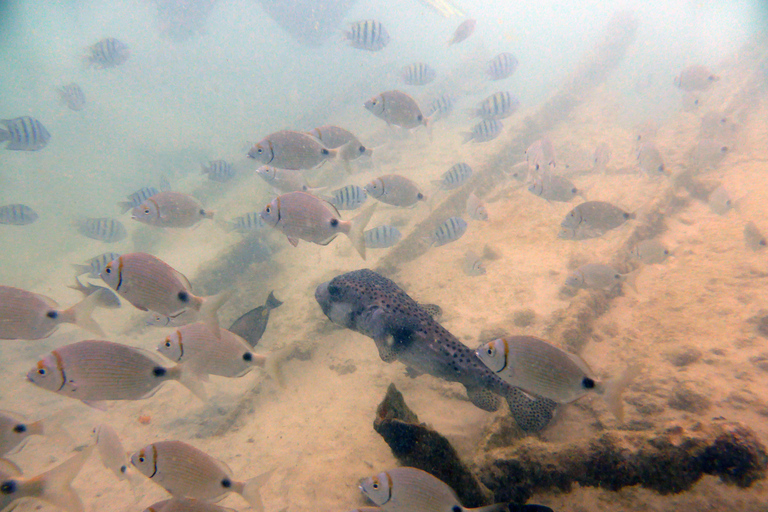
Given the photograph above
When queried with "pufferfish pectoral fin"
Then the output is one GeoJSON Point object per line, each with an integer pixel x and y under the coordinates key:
{"type": "Point", "coordinates": [386, 346]}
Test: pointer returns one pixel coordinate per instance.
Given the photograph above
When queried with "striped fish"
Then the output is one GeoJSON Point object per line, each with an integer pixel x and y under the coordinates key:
{"type": "Point", "coordinates": [17, 215]}
{"type": "Point", "coordinates": [367, 35]}
{"type": "Point", "coordinates": [350, 197]}
{"type": "Point", "coordinates": [440, 107]}
{"type": "Point", "coordinates": [137, 198]}
{"type": "Point", "coordinates": [382, 237]}
{"type": "Point", "coordinates": [24, 133]}
{"type": "Point", "coordinates": [498, 106]}
{"type": "Point", "coordinates": [107, 53]}
{"type": "Point", "coordinates": [447, 232]}
{"type": "Point", "coordinates": [73, 96]}
{"type": "Point", "coordinates": [103, 229]}
{"type": "Point", "coordinates": [454, 177]}
{"type": "Point", "coordinates": [244, 224]}
{"type": "Point", "coordinates": [484, 131]}
{"type": "Point", "coordinates": [95, 265]}
{"type": "Point", "coordinates": [501, 66]}
{"type": "Point", "coordinates": [219, 170]}
{"type": "Point", "coordinates": [418, 73]}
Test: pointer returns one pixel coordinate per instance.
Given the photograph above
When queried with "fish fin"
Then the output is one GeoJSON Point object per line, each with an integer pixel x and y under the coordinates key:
{"type": "Point", "coordinates": [631, 278]}
{"type": "Point", "coordinates": [386, 348]}
{"type": "Point", "coordinates": [208, 312]}
{"type": "Point", "coordinates": [613, 389]}
{"type": "Point", "coordinates": [8, 468]}
{"type": "Point", "coordinates": [204, 169]}
{"type": "Point", "coordinates": [483, 398]}
{"type": "Point", "coordinates": [57, 482]}
{"type": "Point", "coordinates": [78, 286]}
{"type": "Point", "coordinates": [209, 214]}
{"type": "Point", "coordinates": [357, 229]}
{"type": "Point", "coordinates": [467, 136]}
{"type": "Point", "coordinates": [181, 277]}
{"type": "Point", "coordinates": [80, 314]}
{"type": "Point", "coordinates": [99, 405]}
{"type": "Point", "coordinates": [293, 240]}
{"type": "Point", "coordinates": [250, 491]}
{"type": "Point", "coordinates": [272, 301]}
{"type": "Point", "coordinates": [5, 134]}
{"type": "Point", "coordinates": [125, 206]}
{"type": "Point", "coordinates": [273, 364]}
{"type": "Point", "coordinates": [81, 269]}
{"type": "Point", "coordinates": [328, 240]}
{"type": "Point", "coordinates": [187, 377]}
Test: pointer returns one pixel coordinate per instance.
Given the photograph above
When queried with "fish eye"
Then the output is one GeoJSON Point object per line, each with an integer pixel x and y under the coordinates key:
{"type": "Point", "coordinates": [41, 371]}
{"type": "Point", "coordinates": [20, 428]}
{"type": "Point", "coordinates": [361, 149]}
{"type": "Point", "coordinates": [202, 212]}
{"type": "Point", "coordinates": [268, 209]}
{"type": "Point", "coordinates": [375, 486]}
{"type": "Point", "coordinates": [260, 151]}
{"type": "Point", "coordinates": [53, 315]}
{"type": "Point", "coordinates": [108, 270]}
{"type": "Point", "coordinates": [588, 383]}
{"type": "Point", "coordinates": [490, 351]}
{"type": "Point", "coordinates": [141, 460]}
{"type": "Point", "coordinates": [8, 487]}
{"type": "Point", "coordinates": [146, 211]}
{"type": "Point", "coordinates": [168, 344]}
{"type": "Point", "coordinates": [334, 223]}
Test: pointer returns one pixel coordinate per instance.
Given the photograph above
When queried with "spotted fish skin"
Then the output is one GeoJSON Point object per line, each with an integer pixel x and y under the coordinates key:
{"type": "Point", "coordinates": [373, 305]}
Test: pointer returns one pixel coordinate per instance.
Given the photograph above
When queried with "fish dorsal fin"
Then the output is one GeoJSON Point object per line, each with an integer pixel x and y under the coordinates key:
{"type": "Point", "coordinates": [47, 300]}
{"type": "Point", "coordinates": [578, 361]}
{"type": "Point", "coordinates": [184, 281]}
{"type": "Point", "coordinates": [8, 469]}
{"type": "Point", "coordinates": [333, 206]}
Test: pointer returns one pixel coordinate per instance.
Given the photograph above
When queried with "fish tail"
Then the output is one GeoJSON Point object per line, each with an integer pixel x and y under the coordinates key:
{"type": "Point", "coordinates": [468, 136]}
{"type": "Point", "coordinates": [613, 389]}
{"type": "Point", "coordinates": [81, 269]}
{"type": "Point", "coordinates": [347, 166]}
{"type": "Point", "coordinates": [56, 483]}
{"type": "Point", "coordinates": [356, 231]}
{"type": "Point", "coordinates": [78, 286]}
{"type": "Point", "coordinates": [209, 214]}
{"type": "Point", "coordinates": [250, 490]}
{"type": "Point", "coordinates": [631, 279]}
{"type": "Point", "coordinates": [226, 226]}
{"type": "Point", "coordinates": [4, 135]}
{"type": "Point", "coordinates": [125, 206]}
{"type": "Point", "coordinates": [80, 314]}
{"type": "Point", "coordinates": [209, 310]}
{"type": "Point", "coordinates": [187, 377]}
{"type": "Point", "coordinates": [273, 364]}
{"type": "Point", "coordinates": [272, 301]}
{"type": "Point", "coordinates": [204, 169]}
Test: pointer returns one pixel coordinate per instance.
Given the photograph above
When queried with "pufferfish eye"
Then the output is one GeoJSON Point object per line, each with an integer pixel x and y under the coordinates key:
{"type": "Point", "coordinates": [146, 211]}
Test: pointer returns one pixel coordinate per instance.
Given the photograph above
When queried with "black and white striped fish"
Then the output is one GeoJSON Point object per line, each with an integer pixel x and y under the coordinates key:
{"type": "Point", "coordinates": [17, 215]}
{"type": "Point", "coordinates": [73, 95]}
{"type": "Point", "coordinates": [103, 229]}
{"type": "Point", "coordinates": [498, 105]}
{"type": "Point", "coordinates": [447, 232]}
{"type": "Point", "coordinates": [95, 265]}
{"type": "Point", "coordinates": [454, 177]}
{"type": "Point", "coordinates": [440, 107]}
{"type": "Point", "coordinates": [107, 53]}
{"type": "Point", "coordinates": [219, 170]}
{"type": "Point", "coordinates": [248, 223]}
{"type": "Point", "coordinates": [484, 131]}
{"type": "Point", "coordinates": [24, 133]}
{"type": "Point", "coordinates": [418, 73]}
{"type": "Point", "coordinates": [137, 198]}
{"type": "Point", "coordinates": [501, 66]}
{"type": "Point", "coordinates": [350, 197]}
{"type": "Point", "coordinates": [367, 35]}
{"type": "Point", "coordinates": [382, 237]}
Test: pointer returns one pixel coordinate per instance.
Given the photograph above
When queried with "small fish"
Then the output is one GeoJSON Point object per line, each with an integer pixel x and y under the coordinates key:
{"type": "Point", "coordinates": [472, 264]}
{"type": "Point", "coordinates": [251, 325]}
{"type": "Point", "coordinates": [185, 505]}
{"type": "Point", "coordinates": [137, 198]}
{"type": "Point", "coordinates": [476, 208]}
{"type": "Point", "coordinates": [107, 53]}
{"type": "Point", "coordinates": [287, 149]}
{"type": "Point", "coordinates": [95, 265]}
{"type": "Point", "coordinates": [440, 107]}
{"type": "Point", "coordinates": [24, 133]}
{"type": "Point", "coordinates": [283, 180]}
{"type": "Point", "coordinates": [350, 197]}
{"type": "Point", "coordinates": [545, 370]}
{"type": "Point", "coordinates": [382, 237]}
{"type": "Point", "coordinates": [15, 431]}
{"type": "Point", "coordinates": [171, 210]}
{"type": "Point", "coordinates": [753, 237]}
{"type": "Point", "coordinates": [220, 171]}
{"type": "Point", "coordinates": [597, 216]}
{"type": "Point", "coordinates": [463, 31]}
{"type": "Point", "coordinates": [708, 154]}
{"type": "Point", "coordinates": [501, 66]}
{"type": "Point", "coordinates": [498, 105]}
{"type": "Point", "coordinates": [553, 187]}
{"type": "Point", "coordinates": [186, 472]}
{"type": "Point", "coordinates": [718, 126]}
{"type": "Point", "coordinates": [105, 298]}
{"type": "Point", "coordinates": [397, 108]}
{"type": "Point", "coordinates": [334, 137]}
{"type": "Point", "coordinates": [696, 78]}
{"type": "Point", "coordinates": [150, 284]}
{"type": "Point", "coordinates": [649, 159]}
{"type": "Point", "coordinates": [53, 486]}
{"type": "Point", "coordinates": [111, 451]}
{"type": "Point", "coordinates": [649, 252]}
{"type": "Point", "coordinates": [449, 231]}
{"type": "Point", "coordinates": [394, 190]}
{"type": "Point", "coordinates": [245, 224]}
{"type": "Point", "coordinates": [73, 95]}
{"type": "Point", "coordinates": [95, 371]}
{"type": "Point", "coordinates": [28, 316]}
{"type": "Point", "coordinates": [720, 201]}
{"type": "Point", "coordinates": [103, 229]}
{"type": "Point", "coordinates": [484, 131]}
{"type": "Point", "coordinates": [454, 177]}
{"type": "Point", "coordinates": [367, 35]}
{"type": "Point", "coordinates": [300, 215]}
{"type": "Point", "coordinates": [519, 172]}
{"type": "Point", "coordinates": [602, 157]}
{"type": "Point", "coordinates": [17, 215]}
{"type": "Point", "coordinates": [418, 73]}
{"type": "Point", "coordinates": [595, 276]}
{"type": "Point", "coordinates": [540, 155]}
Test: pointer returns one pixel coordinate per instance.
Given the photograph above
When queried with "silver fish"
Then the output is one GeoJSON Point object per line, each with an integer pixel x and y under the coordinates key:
{"type": "Point", "coordinates": [602, 157]}
{"type": "Point", "coordinates": [107, 53]}
{"type": "Point", "coordinates": [649, 252]}
{"type": "Point", "coordinates": [248, 223]}
{"type": "Point", "coordinates": [720, 201]}
{"type": "Point", "coordinates": [718, 126]}
{"type": "Point", "coordinates": [137, 198]}
{"type": "Point", "coordinates": [397, 108]}
{"type": "Point", "coordinates": [367, 35]}
{"type": "Point", "coordinates": [105, 298]}
{"type": "Point", "coordinates": [95, 265]}
{"type": "Point", "coordinates": [17, 215]}
{"type": "Point", "coordinates": [395, 190]}
{"type": "Point", "coordinates": [103, 229]}
{"type": "Point", "coordinates": [171, 210]}
{"type": "Point", "coordinates": [219, 170]}
{"type": "Point", "coordinates": [382, 237]}
{"type": "Point", "coordinates": [753, 237]}
{"type": "Point", "coordinates": [553, 187]}
{"type": "Point", "coordinates": [287, 149]}
{"type": "Point", "coordinates": [696, 78]}
{"type": "Point", "coordinates": [111, 451]}
{"type": "Point", "coordinates": [463, 31]}
{"type": "Point", "coordinates": [501, 66]}
{"type": "Point", "coordinates": [300, 215]}
{"type": "Point", "coordinates": [498, 105]}
{"type": "Point", "coordinates": [94, 371]}
{"type": "Point", "coordinates": [24, 133]}
{"type": "Point", "coordinates": [284, 180]}
{"type": "Point", "coordinates": [334, 137]}
{"type": "Point", "coordinates": [440, 107]}
{"type": "Point", "coordinates": [596, 215]}
{"type": "Point", "coordinates": [73, 95]}
{"type": "Point", "coordinates": [251, 325]}
{"type": "Point", "coordinates": [186, 472]}
{"type": "Point", "coordinates": [649, 159]}
{"type": "Point", "coordinates": [476, 208]}
{"type": "Point", "coordinates": [449, 231]}
{"type": "Point", "coordinates": [708, 154]}
{"type": "Point", "coordinates": [454, 177]}
{"type": "Point", "coordinates": [595, 276]}
{"type": "Point", "coordinates": [29, 316]}
{"type": "Point", "coordinates": [484, 131]}
{"type": "Point", "coordinates": [418, 73]}
{"type": "Point", "coordinates": [472, 264]}
{"type": "Point", "coordinates": [350, 197]}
